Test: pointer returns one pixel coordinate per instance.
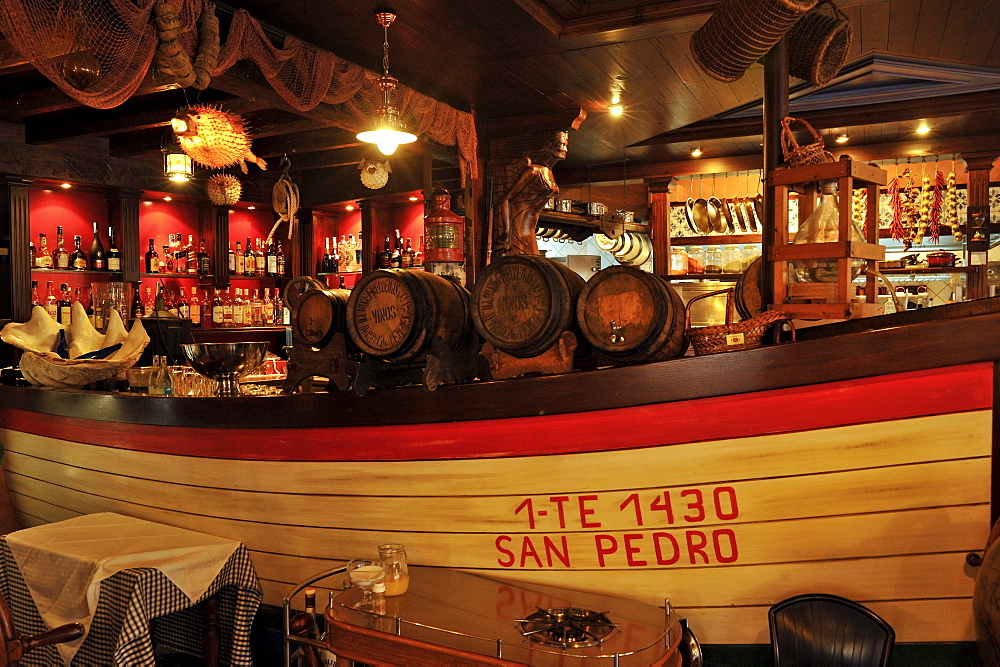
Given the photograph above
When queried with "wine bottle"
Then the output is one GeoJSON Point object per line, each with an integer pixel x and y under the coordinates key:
{"type": "Point", "coordinates": [271, 260]}
{"type": "Point", "coordinates": [280, 261]}
{"type": "Point", "coordinates": [96, 256]}
{"type": "Point", "coordinates": [51, 303]}
{"type": "Point", "coordinates": [232, 261]}
{"type": "Point", "coordinates": [65, 306]}
{"type": "Point", "coordinates": [324, 262]}
{"type": "Point", "coordinates": [240, 261]}
{"type": "Point", "coordinates": [204, 260]}
{"type": "Point", "coordinates": [385, 257]}
{"type": "Point", "coordinates": [409, 257]}
{"type": "Point", "coordinates": [136, 310]}
{"type": "Point", "coordinates": [60, 258]}
{"type": "Point", "coordinates": [152, 258]}
{"type": "Point", "coordinates": [97, 308]}
{"type": "Point", "coordinates": [194, 308]}
{"type": "Point", "coordinates": [193, 260]}
{"type": "Point", "coordinates": [114, 257]}
{"type": "Point", "coordinates": [183, 307]}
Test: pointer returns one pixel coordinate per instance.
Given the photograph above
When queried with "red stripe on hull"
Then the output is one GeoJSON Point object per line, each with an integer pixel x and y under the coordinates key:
{"type": "Point", "coordinates": [868, 400]}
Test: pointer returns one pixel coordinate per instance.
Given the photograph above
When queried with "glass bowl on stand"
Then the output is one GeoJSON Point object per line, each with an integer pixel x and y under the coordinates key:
{"type": "Point", "coordinates": [225, 362]}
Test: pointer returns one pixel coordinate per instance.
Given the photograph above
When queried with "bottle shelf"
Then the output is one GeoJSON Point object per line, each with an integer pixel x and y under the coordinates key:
{"type": "Point", "coordinates": [78, 272]}
{"type": "Point", "coordinates": [340, 273]}
{"type": "Point", "coordinates": [705, 276]}
{"type": "Point", "coordinates": [728, 239]}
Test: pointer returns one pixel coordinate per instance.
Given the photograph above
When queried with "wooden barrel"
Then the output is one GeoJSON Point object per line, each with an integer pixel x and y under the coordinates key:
{"type": "Point", "coordinates": [318, 314]}
{"type": "Point", "coordinates": [396, 313]}
{"type": "Point", "coordinates": [748, 300]}
{"type": "Point", "coordinates": [632, 316]}
{"type": "Point", "coordinates": [523, 303]}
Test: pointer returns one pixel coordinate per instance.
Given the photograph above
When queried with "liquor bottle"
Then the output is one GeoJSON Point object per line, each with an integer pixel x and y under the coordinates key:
{"type": "Point", "coordinates": [358, 254]}
{"type": "Point", "coordinates": [36, 300]}
{"type": "Point", "coordinates": [148, 303]}
{"type": "Point", "coordinates": [43, 260]}
{"type": "Point", "coordinates": [419, 258]}
{"type": "Point", "coordinates": [204, 266]}
{"type": "Point", "coordinates": [152, 259]}
{"type": "Point", "coordinates": [409, 257]}
{"type": "Point", "coordinates": [95, 310]}
{"type": "Point", "coordinates": [280, 261]}
{"type": "Point", "coordinates": [218, 310]}
{"type": "Point", "coordinates": [60, 258]}
{"type": "Point", "coordinates": [114, 257]}
{"type": "Point", "coordinates": [248, 320]}
{"type": "Point", "coordinates": [32, 254]}
{"type": "Point", "coordinates": [97, 259]}
{"type": "Point", "coordinates": [78, 261]}
{"type": "Point", "coordinates": [167, 260]}
{"type": "Point", "coordinates": [51, 303]}
{"type": "Point", "coordinates": [396, 258]}
{"type": "Point", "coordinates": [342, 285]}
{"type": "Point", "coordinates": [286, 313]}
{"type": "Point", "coordinates": [232, 261]}
{"type": "Point", "coordinates": [136, 310]}
{"type": "Point", "coordinates": [183, 307]}
{"type": "Point", "coordinates": [385, 257]}
{"type": "Point", "coordinates": [324, 262]}
{"type": "Point", "coordinates": [258, 309]}
{"type": "Point", "coordinates": [65, 306]}
{"type": "Point", "coordinates": [335, 258]}
{"type": "Point", "coordinates": [227, 309]}
{"type": "Point", "coordinates": [345, 252]}
{"type": "Point", "coordinates": [267, 312]}
{"type": "Point", "coordinates": [193, 261]}
{"type": "Point", "coordinates": [240, 262]}
{"type": "Point", "coordinates": [260, 260]}
{"type": "Point", "coordinates": [271, 260]}
{"type": "Point", "coordinates": [194, 308]}
{"type": "Point", "coordinates": [249, 259]}
{"type": "Point", "coordinates": [238, 309]}
{"type": "Point", "coordinates": [77, 297]}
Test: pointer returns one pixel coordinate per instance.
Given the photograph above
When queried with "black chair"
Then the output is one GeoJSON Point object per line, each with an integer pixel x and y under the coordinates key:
{"type": "Point", "coordinates": [818, 630]}
{"type": "Point", "coordinates": [690, 649]}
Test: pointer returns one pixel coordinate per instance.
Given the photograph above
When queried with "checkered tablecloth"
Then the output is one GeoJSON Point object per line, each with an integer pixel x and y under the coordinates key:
{"type": "Point", "coordinates": [132, 612]}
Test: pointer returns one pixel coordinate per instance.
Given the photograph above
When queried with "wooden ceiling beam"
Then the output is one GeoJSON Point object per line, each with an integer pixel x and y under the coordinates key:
{"type": "Point", "coordinates": [882, 112]}
{"type": "Point", "coordinates": [337, 157]}
{"type": "Point", "coordinates": [320, 187]}
{"type": "Point", "coordinates": [559, 119]}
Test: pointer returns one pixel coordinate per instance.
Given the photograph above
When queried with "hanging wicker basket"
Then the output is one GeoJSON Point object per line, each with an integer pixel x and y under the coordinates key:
{"type": "Point", "coordinates": [741, 31]}
{"type": "Point", "coordinates": [818, 45]}
{"type": "Point", "coordinates": [800, 156]}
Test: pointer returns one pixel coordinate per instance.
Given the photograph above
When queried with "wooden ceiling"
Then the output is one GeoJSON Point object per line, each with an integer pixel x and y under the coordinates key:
{"type": "Point", "coordinates": [510, 61]}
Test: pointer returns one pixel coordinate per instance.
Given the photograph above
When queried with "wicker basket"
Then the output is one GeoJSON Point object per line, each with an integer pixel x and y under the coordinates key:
{"type": "Point", "coordinates": [739, 32]}
{"type": "Point", "coordinates": [731, 336]}
{"type": "Point", "coordinates": [818, 45]}
{"type": "Point", "coordinates": [801, 156]}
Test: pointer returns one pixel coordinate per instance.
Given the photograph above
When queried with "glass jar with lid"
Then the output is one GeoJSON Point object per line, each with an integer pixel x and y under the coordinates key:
{"type": "Point", "coordinates": [678, 261]}
{"type": "Point", "coordinates": [748, 254]}
{"type": "Point", "coordinates": [696, 259]}
{"type": "Point", "coordinates": [713, 259]}
{"type": "Point", "coordinates": [731, 260]}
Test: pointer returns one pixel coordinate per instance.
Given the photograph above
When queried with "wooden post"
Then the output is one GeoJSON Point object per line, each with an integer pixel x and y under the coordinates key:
{"type": "Point", "coordinates": [659, 223]}
{"type": "Point", "coordinates": [304, 260]}
{"type": "Point", "coordinates": [369, 248]}
{"type": "Point", "coordinates": [15, 235]}
{"type": "Point", "coordinates": [978, 166]}
{"type": "Point", "coordinates": [775, 109]}
{"type": "Point", "coordinates": [220, 251]}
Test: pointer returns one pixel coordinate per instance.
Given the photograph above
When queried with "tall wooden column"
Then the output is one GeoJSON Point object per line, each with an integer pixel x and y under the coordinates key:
{"type": "Point", "coordinates": [220, 250]}
{"type": "Point", "coordinates": [15, 236]}
{"type": "Point", "coordinates": [775, 108]}
{"type": "Point", "coordinates": [123, 216]}
{"type": "Point", "coordinates": [369, 247]}
{"type": "Point", "coordinates": [659, 223]}
{"type": "Point", "coordinates": [303, 260]}
{"type": "Point", "coordinates": [978, 166]}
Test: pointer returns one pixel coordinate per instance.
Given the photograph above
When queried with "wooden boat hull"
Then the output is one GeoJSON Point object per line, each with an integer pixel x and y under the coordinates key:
{"type": "Point", "coordinates": [873, 488]}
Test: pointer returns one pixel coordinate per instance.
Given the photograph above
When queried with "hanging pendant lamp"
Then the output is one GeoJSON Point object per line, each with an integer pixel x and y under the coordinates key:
{"type": "Point", "coordinates": [387, 131]}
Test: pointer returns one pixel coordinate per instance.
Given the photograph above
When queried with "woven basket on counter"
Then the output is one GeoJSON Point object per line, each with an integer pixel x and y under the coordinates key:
{"type": "Point", "coordinates": [797, 155]}
{"type": "Point", "coordinates": [818, 45]}
{"type": "Point", "coordinates": [740, 32]}
{"type": "Point", "coordinates": [731, 336]}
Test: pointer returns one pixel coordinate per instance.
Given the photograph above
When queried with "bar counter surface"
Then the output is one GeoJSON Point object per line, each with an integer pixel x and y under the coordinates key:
{"type": "Point", "coordinates": [858, 464]}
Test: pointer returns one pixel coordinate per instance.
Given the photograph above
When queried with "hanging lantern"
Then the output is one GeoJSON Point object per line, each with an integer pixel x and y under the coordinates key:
{"type": "Point", "coordinates": [387, 130]}
{"type": "Point", "coordinates": [224, 189]}
{"type": "Point", "coordinates": [445, 231]}
{"type": "Point", "coordinates": [177, 165]}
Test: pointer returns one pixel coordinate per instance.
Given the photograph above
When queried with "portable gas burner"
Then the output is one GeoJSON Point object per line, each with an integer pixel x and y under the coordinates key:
{"type": "Point", "coordinates": [567, 627]}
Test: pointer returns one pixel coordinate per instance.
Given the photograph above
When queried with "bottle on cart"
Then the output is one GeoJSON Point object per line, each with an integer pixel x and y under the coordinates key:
{"type": "Point", "coordinates": [136, 310]}
{"type": "Point", "coordinates": [65, 306]}
{"type": "Point", "coordinates": [60, 257]}
{"type": "Point", "coordinates": [51, 302]}
{"type": "Point", "coordinates": [78, 260]}
{"type": "Point", "coordinates": [152, 258]}
{"type": "Point", "coordinates": [204, 260]}
{"type": "Point", "coordinates": [43, 260]}
{"type": "Point", "coordinates": [96, 257]}
{"type": "Point", "coordinates": [114, 256]}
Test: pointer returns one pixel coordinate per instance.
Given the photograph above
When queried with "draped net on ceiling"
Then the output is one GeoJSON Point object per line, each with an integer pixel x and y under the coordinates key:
{"type": "Point", "coordinates": [121, 35]}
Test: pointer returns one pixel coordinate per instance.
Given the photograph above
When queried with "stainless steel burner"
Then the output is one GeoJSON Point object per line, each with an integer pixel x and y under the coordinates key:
{"type": "Point", "coordinates": [567, 627]}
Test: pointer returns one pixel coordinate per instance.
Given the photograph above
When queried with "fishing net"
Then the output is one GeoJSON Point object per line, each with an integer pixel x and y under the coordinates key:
{"type": "Point", "coordinates": [121, 37]}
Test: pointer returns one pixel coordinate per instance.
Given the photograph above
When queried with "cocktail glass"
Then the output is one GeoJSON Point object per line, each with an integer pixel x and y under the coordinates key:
{"type": "Point", "coordinates": [363, 573]}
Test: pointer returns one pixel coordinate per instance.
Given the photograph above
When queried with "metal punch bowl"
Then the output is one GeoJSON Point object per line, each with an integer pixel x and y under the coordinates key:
{"type": "Point", "coordinates": [224, 362]}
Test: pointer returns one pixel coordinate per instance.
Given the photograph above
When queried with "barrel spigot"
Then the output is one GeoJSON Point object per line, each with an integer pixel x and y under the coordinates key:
{"type": "Point", "coordinates": [616, 338]}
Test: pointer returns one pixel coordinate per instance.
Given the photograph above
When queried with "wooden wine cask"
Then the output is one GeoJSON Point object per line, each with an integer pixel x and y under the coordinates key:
{"type": "Point", "coordinates": [632, 316]}
{"type": "Point", "coordinates": [318, 314]}
{"type": "Point", "coordinates": [523, 303]}
{"type": "Point", "coordinates": [748, 300]}
{"type": "Point", "coordinates": [396, 313]}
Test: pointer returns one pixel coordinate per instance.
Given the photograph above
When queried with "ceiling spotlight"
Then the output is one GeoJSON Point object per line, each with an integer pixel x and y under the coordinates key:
{"type": "Point", "coordinates": [65, 186]}
{"type": "Point", "coordinates": [251, 207]}
{"type": "Point", "coordinates": [414, 198]}
{"type": "Point", "coordinates": [616, 109]}
{"type": "Point", "coordinates": [842, 138]}
{"type": "Point", "coordinates": [349, 207]}
{"type": "Point", "coordinates": [168, 198]}
{"type": "Point", "coordinates": [696, 152]}
{"type": "Point", "coordinates": [924, 128]}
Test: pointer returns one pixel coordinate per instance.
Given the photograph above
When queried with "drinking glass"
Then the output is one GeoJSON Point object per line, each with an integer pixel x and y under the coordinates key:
{"type": "Point", "coordinates": [364, 572]}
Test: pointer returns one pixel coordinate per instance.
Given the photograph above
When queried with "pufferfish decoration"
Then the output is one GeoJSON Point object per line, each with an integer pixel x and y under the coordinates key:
{"type": "Point", "coordinates": [223, 189]}
{"type": "Point", "coordinates": [214, 138]}
{"type": "Point", "coordinates": [374, 174]}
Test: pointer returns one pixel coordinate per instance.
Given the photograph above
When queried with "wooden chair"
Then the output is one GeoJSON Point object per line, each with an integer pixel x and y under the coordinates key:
{"type": "Point", "coordinates": [15, 645]}
{"type": "Point", "coordinates": [381, 649]}
{"type": "Point", "coordinates": [819, 629]}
